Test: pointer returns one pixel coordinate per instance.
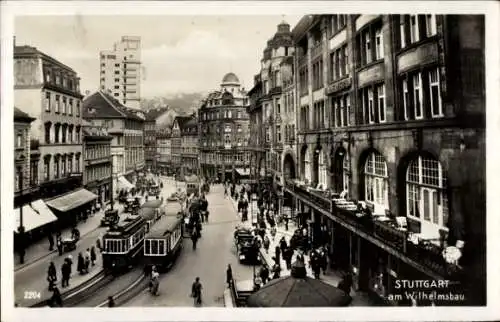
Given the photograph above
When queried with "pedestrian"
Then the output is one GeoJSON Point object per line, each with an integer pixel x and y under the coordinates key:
{"type": "Point", "coordinates": [229, 275]}
{"type": "Point", "coordinates": [277, 253]}
{"type": "Point", "coordinates": [80, 266]}
{"type": "Point", "coordinates": [65, 272]}
{"type": "Point", "coordinates": [346, 283]}
{"type": "Point", "coordinates": [87, 260]}
{"type": "Point", "coordinates": [98, 244]}
{"type": "Point", "coordinates": [111, 301]}
{"type": "Point", "coordinates": [155, 281]}
{"type": "Point", "coordinates": [264, 274]}
{"type": "Point", "coordinates": [59, 246]}
{"type": "Point", "coordinates": [93, 256]}
{"type": "Point", "coordinates": [56, 299]}
{"type": "Point", "coordinates": [273, 233]}
{"type": "Point", "coordinates": [52, 276]}
{"type": "Point", "coordinates": [194, 237]}
{"type": "Point", "coordinates": [51, 241]}
{"type": "Point", "coordinates": [287, 256]}
{"type": "Point", "coordinates": [276, 270]}
{"type": "Point", "coordinates": [283, 244]}
{"type": "Point", "coordinates": [266, 243]}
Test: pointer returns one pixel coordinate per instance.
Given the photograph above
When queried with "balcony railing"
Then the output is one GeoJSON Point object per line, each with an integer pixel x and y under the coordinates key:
{"type": "Point", "coordinates": [426, 253]}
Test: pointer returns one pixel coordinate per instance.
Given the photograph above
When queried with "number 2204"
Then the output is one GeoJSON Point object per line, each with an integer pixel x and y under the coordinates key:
{"type": "Point", "coordinates": [29, 295]}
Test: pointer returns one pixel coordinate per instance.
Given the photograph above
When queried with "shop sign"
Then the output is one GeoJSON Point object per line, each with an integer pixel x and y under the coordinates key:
{"type": "Point", "coordinates": [339, 86]}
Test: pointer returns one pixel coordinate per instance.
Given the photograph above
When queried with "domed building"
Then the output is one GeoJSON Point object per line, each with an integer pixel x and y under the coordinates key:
{"type": "Point", "coordinates": [224, 125]}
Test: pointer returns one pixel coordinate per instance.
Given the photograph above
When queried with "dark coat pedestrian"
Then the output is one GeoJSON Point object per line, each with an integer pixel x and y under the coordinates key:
{"type": "Point", "coordinates": [283, 244]}
{"type": "Point", "coordinates": [56, 299]}
{"type": "Point", "coordinates": [98, 244]}
{"type": "Point", "coordinates": [276, 270]}
{"type": "Point", "coordinates": [111, 301]}
{"type": "Point", "coordinates": [346, 283]}
{"type": "Point", "coordinates": [229, 275]}
{"type": "Point", "coordinates": [59, 246]}
{"type": "Point", "coordinates": [80, 265]}
{"type": "Point", "coordinates": [266, 243]}
{"type": "Point", "coordinates": [51, 241]}
{"type": "Point", "coordinates": [277, 253]}
{"type": "Point", "coordinates": [65, 272]}
{"type": "Point", "coordinates": [287, 256]}
{"type": "Point", "coordinates": [93, 255]}
{"type": "Point", "coordinates": [52, 276]}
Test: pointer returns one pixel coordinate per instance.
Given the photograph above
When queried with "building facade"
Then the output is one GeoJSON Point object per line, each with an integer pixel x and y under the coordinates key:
{"type": "Point", "coordinates": [164, 142]}
{"type": "Point", "coordinates": [189, 142]}
{"type": "Point", "coordinates": [120, 71]}
{"type": "Point", "coordinates": [22, 157]}
{"type": "Point", "coordinates": [97, 174]}
{"type": "Point", "coordinates": [176, 143]}
{"type": "Point", "coordinates": [126, 126]}
{"type": "Point", "coordinates": [390, 110]}
{"type": "Point", "coordinates": [49, 91]}
{"type": "Point", "coordinates": [151, 131]}
{"type": "Point", "coordinates": [224, 132]}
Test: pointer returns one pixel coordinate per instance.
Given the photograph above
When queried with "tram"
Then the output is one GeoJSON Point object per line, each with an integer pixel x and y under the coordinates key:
{"type": "Point", "coordinates": [123, 244]}
{"type": "Point", "coordinates": [163, 244]}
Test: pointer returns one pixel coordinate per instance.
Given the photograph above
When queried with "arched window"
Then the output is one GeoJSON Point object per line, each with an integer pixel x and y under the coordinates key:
{"type": "Point", "coordinates": [345, 173]}
{"type": "Point", "coordinates": [63, 165]}
{"type": "Point", "coordinates": [426, 199]}
{"type": "Point", "coordinates": [48, 128]}
{"type": "Point", "coordinates": [307, 165]}
{"type": "Point", "coordinates": [376, 181]}
{"type": "Point", "coordinates": [322, 170]}
{"type": "Point", "coordinates": [57, 136]}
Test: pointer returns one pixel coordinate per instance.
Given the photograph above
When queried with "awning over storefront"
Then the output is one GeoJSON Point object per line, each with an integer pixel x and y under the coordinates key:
{"type": "Point", "coordinates": [35, 215]}
{"type": "Point", "coordinates": [243, 172]}
{"type": "Point", "coordinates": [72, 200]}
{"type": "Point", "coordinates": [123, 183]}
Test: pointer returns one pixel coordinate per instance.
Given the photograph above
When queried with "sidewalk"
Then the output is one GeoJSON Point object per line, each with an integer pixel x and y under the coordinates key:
{"type": "Point", "coordinates": [331, 277]}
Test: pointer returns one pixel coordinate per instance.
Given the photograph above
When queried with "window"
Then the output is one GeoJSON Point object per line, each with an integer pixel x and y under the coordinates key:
{"type": "Point", "coordinates": [64, 131]}
{"type": "Point", "coordinates": [63, 166]}
{"type": "Point", "coordinates": [239, 114]}
{"type": "Point", "coordinates": [58, 104]}
{"type": "Point", "coordinates": [435, 93]}
{"type": "Point", "coordinates": [345, 172]}
{"type": "Point", "coordinates": [77, 163]}
{"type": "Point", "coordinates": [381, 102]}
{"type": "Point", "coordinates": [346, 61]}
{"type": "Point", "coordinates": [371, 114]}
{"type": "Point", "coordinates": [426, 199]}
{"type": "Point", "coordinates": [367, 46]}
{"type": "Point", "coordinates": [47, 101]}
{"type": "Point", "coordinates": [57, 127]}
{"type": "Point", "coordinates": [70, 107]}
{"type": "Point", "coordinates": [47, 77]}
{"type": "Point", "coordinates": [56, 167]}
{"type": "Point", "coordinates": [70, 164]}
{"type": "Point", "coordinates": [414, 31]}
{"type": "Point", "coordinates": [46, 167]}
{"type": "Point", "coordinates": [417, 95]}
{"type": "Point", "coordinates": [430, 25]}
{"type": "Point", "coordinates": [33, 173]}
{"type": "Point", "coordinates": [117, 72]}
{"type": "Point", "coordinates": [229, 114]}
{"type": "Point", "coordinates": [402, 30]}
{"type": "Point", "coordinates": [239, 128]}
{"type": "Point", "coordinates": [406, 100]}
{"type": "Point", "coordinates": [379, 44]}
{"type": "Point", "coordinates": [376, 182]}
{"type": "Point", "coordinates": [19, 139]}
{"type": "Point", "coordinates": [278, 133]}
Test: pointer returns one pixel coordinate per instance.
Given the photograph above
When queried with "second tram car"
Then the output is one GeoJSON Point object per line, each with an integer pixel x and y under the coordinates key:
{"type": "Point", "coordinates": [163, 243]}
{"type": "Point", "coordinates": [123, 244]}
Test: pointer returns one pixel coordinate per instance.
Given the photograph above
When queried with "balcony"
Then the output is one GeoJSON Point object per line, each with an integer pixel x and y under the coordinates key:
{"type": "Point", "coordinates": [423, 255]}
{"type": "Point", "coordinates": [275, 90]}
{"type": "Point", "coordinates": [316, 51]}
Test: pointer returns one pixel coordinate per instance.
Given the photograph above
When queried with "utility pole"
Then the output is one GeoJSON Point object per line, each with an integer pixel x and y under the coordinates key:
{"type": "Point", "coordinates": [21, 223]}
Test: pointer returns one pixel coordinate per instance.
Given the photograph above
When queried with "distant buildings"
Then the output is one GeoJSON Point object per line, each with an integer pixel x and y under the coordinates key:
{"type": "Point", "coordinates": [24, 179]}
{"type": "Point", "coordinates": [120, 71]}
{"type": "Point", "coordinates": [152, 124]}
{"type": "Point", "coordinates": [224, 131]}
{"type": "Point", "coordinates": [164, 150]}
{"type": "Point", "coordinates": [97, 174]}
{"type": "Point", "coordinates": [189, 143]}
{"type": "Point", "coordinates": [126, 126]}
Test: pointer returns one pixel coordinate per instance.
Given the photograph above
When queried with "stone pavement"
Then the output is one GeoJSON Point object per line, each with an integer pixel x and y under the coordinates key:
{"type": "Point", "coordinates": [331, 277]}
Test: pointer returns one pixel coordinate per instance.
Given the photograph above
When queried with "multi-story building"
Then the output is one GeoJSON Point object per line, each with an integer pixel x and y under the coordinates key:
{"type": "Point", "coordinates": [121, 71]}
{"type": "Point", "coordinates": [276, 99]}
{"type": "Point", "coordinates": [189, 142]}
{"type": "Point", "coordinates": [49, 91]}
{"type": "Point", "coordinates": [257, 135]}
{"type": "Point", "coordinates": [22, 154]}
{"type": "Point", "coordinates": [176, 144]}
{"type": "Point", "coordinates": [164, 142]}
{"type": "Point", "coordinates": [97, 174]}
{"type": "Point", "coordinates": [126, 126]}
{"type": "Point", "coordinates": [151, 130]}
{"type": "Point", "coordinates": [390, 111]}
{"type": "Point", "coordinates": [224, 131]}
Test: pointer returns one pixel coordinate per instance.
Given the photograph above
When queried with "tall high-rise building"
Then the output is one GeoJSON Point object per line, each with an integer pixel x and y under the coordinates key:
{"type": "Point", "coordinates": [121, 71]}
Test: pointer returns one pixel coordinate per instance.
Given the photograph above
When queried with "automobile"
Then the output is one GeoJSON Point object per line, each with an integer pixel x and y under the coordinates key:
{"type": "Point", "coordinates": [110, 217]}
{"type": "Point", "coordinates": [248, 249]}
{"type": "Point", "coordinates": [69, 244]}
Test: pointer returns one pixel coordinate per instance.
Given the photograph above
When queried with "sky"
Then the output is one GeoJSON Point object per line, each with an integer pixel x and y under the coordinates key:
{"type": "Point", "coordinates": [180, 54]}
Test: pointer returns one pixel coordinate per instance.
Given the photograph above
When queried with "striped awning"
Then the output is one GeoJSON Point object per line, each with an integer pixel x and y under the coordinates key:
{"type": "Point", "coordinates": [71, 200]}
{"type": "Point", "coordinates": [35, 215]}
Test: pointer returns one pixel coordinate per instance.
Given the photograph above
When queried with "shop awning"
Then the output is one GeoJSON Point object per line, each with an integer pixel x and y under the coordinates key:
{"type": "Point", "coordinates": [123, 183]}
{"type": "Point", "coordinates": [72, 200]}
{"type": "Point", "coordinates": [243, 172]}
{"type": "Point", "coordinates": [35, 215]}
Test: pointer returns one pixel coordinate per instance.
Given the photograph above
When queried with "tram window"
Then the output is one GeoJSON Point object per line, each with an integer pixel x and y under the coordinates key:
{"type": "Point", "coordinates": [147, 246]}
{"type": "Point", "coordinates": [124, 245]}
{"type": "Point", "coordinates": [154, 247]}
{"type": "Point", "coordinates": [161, 247]}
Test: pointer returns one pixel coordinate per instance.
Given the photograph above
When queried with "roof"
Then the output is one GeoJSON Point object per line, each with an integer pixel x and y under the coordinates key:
{"type": "Point", "coordinates": [304, 24]}
{"type": "Point", "coordinates": [26, 51]}
{"type": "Point", "coordinates": [102, 105]}
{"type": "Point", "coordinates": [22, 116]}
{"type": "Point", "coordinates": [192, 122]}
{"type": "Point", "coordinates": [230, 78]}
{"type": "Point", "coordinates": [164, 226]}
{"type": "Point", "coordinates": [172, 208]}
{"type": "Point", "coordinates": [152, 203]}
{"type": "Point", "coordinates": [182, 120]}
{"type": "Point", "coordinates": [154, 113]}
